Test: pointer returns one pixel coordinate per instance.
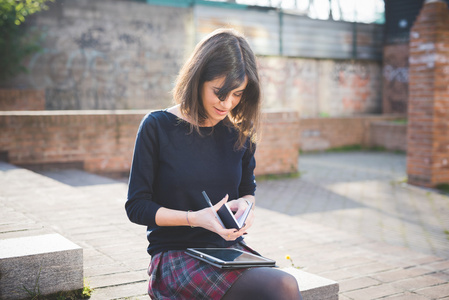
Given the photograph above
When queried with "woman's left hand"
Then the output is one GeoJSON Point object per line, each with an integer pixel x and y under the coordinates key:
{"type": "Point", "coordinates": [239, 206]}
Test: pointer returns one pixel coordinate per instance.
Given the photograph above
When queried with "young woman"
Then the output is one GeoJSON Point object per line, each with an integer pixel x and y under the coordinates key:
{"type": "Point", "coordinates": [205, 142]}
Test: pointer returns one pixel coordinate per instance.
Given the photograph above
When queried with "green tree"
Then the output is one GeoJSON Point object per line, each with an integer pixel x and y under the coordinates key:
{"type": "Point", "coordinates": [15, 42]}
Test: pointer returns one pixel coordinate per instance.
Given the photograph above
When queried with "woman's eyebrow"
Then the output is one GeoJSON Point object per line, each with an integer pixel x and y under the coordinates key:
{"type": "Point", "coordinates": [219, 88]}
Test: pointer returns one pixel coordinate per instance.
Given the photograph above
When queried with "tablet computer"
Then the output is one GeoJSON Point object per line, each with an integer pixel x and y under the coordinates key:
{"type": "Point", "coordinates": [229, 258]}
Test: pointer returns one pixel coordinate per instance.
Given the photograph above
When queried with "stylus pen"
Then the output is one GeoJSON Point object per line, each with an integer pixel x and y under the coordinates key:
{"type": "Point", "coordinates": [210, 204]}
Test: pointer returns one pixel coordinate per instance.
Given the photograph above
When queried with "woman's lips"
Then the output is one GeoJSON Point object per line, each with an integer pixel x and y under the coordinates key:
{"type": "Point", "coordinates": [221, 112]}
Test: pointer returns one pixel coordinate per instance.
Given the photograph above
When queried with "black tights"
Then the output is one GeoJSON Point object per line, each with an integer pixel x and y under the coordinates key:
{"type": "Point", "coordinates": [264, 284]}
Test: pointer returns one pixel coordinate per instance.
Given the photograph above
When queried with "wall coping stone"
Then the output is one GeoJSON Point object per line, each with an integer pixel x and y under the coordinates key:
{"type": "Point", "coordinates": [314, 287]}
{"type": "Point", "coordinates": [287, 112]}
{"type": "Point", "coordinates": [32, 245]}
{"type": "Point", "coordinates": [364, 116]}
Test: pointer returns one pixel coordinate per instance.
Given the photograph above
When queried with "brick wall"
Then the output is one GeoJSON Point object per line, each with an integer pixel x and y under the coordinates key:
{"type": "Point", "coordinates": [15, 99]}
{"type": "Point", "coordinates": [99, 141]}
{"type": "Point", "coordinates": [107, 54]}
{"type": "Point", "coordinates": [324, 133]}
{"type": "Point", "coordinates": [388, 135]}
{"type": "Point", "coordinates": [395, 79]}
{"type": "Point", "coordinates": [278, 150]}
{"type": "Point", "coordinates": [316, 87]}
{"type": "Point", "coordinates": [102, 141]}
{"type": "Point", "coordinates": [428, 113]}
{"type": "Point", "coordinates": [125, 55]}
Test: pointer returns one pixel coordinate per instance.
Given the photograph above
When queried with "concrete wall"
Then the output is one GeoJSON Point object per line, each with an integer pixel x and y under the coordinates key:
{"type": "Point", "coordinates": [125, 55]}
{"type": "Point", "coordinates": [107, 54]}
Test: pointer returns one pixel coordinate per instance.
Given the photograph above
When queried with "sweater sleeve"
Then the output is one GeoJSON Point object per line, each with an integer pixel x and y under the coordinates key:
{"type": "Point", "coordinates": [140, 207]}
{"type": "Point", "coordinates": [248, 182]}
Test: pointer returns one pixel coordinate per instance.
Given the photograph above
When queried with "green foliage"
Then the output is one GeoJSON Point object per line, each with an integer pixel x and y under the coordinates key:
{"type": "Point", "coordinates": [15, 42]}
{"type": "Point", "coordinates": [35, 293]}
{"type": "Point", "coordinates": [443, 187]}
{"type": "Point", "coordinates": [87, 290]}
{"type": "Point", "coordinates": [324, 115]}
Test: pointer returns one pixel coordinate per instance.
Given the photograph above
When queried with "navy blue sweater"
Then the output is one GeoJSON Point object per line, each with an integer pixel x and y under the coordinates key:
{"type": "Point", "coordinates": [172, 165]}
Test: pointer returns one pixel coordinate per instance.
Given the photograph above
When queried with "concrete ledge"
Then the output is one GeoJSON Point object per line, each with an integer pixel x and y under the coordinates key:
{"type": "Point", "coordinates": [314, 287]}
{"type": "Point", "coordinates": [44, 264]}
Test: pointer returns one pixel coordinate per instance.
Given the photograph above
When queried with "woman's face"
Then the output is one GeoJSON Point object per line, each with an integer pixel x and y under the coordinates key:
{"type": "Point", "coordinates": [217, 110]}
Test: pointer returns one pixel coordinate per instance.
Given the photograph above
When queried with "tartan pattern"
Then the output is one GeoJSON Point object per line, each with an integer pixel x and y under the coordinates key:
{"type": "Point", "coordinates": [176, 275]}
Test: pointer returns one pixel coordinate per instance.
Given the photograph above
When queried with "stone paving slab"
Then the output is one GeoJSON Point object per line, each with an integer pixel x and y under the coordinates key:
{"type": "Point", "coordinates": [349, 218]}
{"type": "Point", "coordinates": [363, 193]}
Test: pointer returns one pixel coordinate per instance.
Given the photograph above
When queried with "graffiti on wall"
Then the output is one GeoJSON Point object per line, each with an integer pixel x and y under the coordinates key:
{"type": "Point", "coordinates": [102, 63]}
{"type": "Point", "coordinates": [289, 83]}
{"type": "Point", "coordinates": [353, 81]}
{"type": "Point", "coordinates": [395, 79]}
{"type": "Point", "coordinates": [321, 87]}
{"type": "Point", "coordinates": [103, 58]}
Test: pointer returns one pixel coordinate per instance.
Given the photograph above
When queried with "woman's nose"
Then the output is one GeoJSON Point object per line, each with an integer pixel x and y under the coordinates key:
{"type": "Point", "coordinates": [227, 103]}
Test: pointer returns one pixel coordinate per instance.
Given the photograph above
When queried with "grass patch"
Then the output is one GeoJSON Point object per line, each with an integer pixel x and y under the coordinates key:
{"type": "Point", "coordinates": [399, 181]}
{"type": "Point", "coordinates": [84, 293]}
{"type": "Point", "coordinates": [443, 187]}
{"type": "Point", "coordinates": [353, 148]}
{"type": "Point", "coordinates": [446, 232]}
{"type": "Point", "coordinates": [346, 148]}
{"type": "Point", "coordinates": [278, 176]}
{"type": "Point", "coordinates": [399, 121]}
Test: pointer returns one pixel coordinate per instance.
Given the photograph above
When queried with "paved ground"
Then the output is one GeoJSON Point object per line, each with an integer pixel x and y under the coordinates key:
{"type": "Point", "coordinates": [350, 217]}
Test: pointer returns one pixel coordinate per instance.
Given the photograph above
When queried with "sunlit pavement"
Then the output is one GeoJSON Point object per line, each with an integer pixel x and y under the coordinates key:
{"type": "Point", "coordinates": [349, 217]}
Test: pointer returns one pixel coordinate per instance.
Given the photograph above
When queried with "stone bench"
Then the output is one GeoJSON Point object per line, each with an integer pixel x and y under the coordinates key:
{"type": "Point", "coordinates": [314, 287]}
{"type": "Point", "coordinates": [43, 264]}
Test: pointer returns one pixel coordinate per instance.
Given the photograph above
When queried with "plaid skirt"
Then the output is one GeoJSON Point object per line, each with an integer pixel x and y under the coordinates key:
{"type": "Point", "coordinates": [176, 275]}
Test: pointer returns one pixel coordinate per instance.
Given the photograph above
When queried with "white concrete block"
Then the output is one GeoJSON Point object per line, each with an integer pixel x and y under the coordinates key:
{"type": "Point", "coordinates": [43, 264]}
{"type": "Point", "coordinates": [314, 287]}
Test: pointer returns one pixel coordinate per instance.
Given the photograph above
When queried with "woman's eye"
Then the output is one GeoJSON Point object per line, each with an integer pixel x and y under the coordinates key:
{"type": "Point", "coordinates": [238, 94]}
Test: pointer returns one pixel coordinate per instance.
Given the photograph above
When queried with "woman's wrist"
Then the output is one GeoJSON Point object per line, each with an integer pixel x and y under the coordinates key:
{"type": "Point", "coordinates": [192, 218]}
{"type": "Point", "coordinates": [247, 201]}
{"type": "Point", "coordinates": [188, 216]}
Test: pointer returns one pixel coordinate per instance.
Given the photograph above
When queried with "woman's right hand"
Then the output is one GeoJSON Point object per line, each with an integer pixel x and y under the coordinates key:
{"type": "Point", "coordinates": [207, 219]}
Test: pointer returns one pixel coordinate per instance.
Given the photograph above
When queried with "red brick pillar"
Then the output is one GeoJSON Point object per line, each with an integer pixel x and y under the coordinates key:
{"type": "Point", "coordinates": [428, 110]}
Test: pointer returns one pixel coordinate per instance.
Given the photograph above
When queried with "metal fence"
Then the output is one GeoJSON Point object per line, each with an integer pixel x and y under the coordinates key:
{"type": "Point", "coordinates": [272, 31]}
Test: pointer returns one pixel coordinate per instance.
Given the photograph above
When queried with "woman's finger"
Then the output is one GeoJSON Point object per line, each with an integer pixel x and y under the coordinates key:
{"type": "Point", "coordinates": [221, 202]}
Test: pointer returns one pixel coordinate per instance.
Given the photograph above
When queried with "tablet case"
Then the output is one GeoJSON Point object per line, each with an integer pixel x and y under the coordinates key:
{"type": "Point", "coordinates": [256, 261]}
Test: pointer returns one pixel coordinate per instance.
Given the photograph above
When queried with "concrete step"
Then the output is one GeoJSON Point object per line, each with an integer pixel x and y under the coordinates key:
{"type": "Point", "coordinates": [314, 287]}
{"type": "Point", "coordinates": [39, 265]}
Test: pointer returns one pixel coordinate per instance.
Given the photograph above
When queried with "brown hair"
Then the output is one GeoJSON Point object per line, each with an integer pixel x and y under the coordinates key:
{"type": "Point", "coordinates": [224, 52]}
